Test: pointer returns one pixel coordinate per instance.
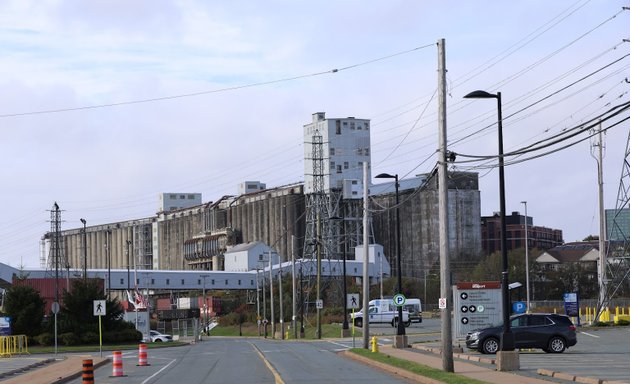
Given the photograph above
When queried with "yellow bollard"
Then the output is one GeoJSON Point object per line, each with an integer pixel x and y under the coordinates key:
{"type": "Point", "coordinates": [374, 344]}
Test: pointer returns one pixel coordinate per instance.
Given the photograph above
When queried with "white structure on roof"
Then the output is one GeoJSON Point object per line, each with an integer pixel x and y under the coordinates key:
{"type": "Point", "coordinates": [250, 186]}
{"type": "Point", "coordinates": [249, 256]}
{"type": "Point", "coordinates": [346, 146]}
{"type": "Point", "coordinates": [173, 201]}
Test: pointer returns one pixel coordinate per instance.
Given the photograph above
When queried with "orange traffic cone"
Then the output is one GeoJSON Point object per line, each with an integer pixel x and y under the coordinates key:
{"type": "Point", "coordinates": [87, 373]}
{"type": "Point", "coordinates": [142, 355]}
{"type": "Point", "coordinates": [117, 366]}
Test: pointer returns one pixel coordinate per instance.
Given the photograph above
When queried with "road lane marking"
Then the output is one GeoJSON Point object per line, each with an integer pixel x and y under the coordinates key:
{"type": "Point", "coordinates": [158, 372]}
{"type": "Point", "coordinates": [275, 373]}
{"type": "Point", "coordinates": [589, 334]}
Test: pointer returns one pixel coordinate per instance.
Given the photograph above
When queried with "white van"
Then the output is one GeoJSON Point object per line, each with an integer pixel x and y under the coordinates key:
{"type": "Point", "coordinates": [414, 307]}
{"type": "Point", "coordinates": [381, 311]}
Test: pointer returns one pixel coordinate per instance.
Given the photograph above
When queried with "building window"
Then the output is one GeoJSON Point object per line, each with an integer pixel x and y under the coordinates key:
{"type": "Point", "coordinates": [173, 196]}
{"type": "Point", "coordinates": [122, 281]}
{"type": "Point", "coordinates": [339, 170]}
{"type": "Point", "coordinates": [332, 151]}
{"type": "Point", "coordinates": [212, 282]}
{"type": "Point", "coordinates": [332, 165]}
{"type": "Point", "coordinates": [137, 281]}
{"type": "Point", "coordinates": [198, 281]}
{"type": "Point", "coordinates": [239, 281]}
{"type": "Point", "coordinates": [352, 125]}
{"type": "Point", "coordinates": [191, 197]}
{"type": "Point", "coordinates": [346, 165]}
{"type": "Point", "coordinates": [338, 127]}
{"type": "Point", "coordinates": [182, 197]}
{"type": "Point", "coordinates": [226, 282]}
{"type": "Point", "coordinates": [366, 151]}
{"type": "Point", "coordinates": [182, 281]}
{"type": "Point", "coordinates": [251, 282]}
{"type": "Point", "coordinates": [168, 281]}
{"type": "Point", "coordinates": [367, 125]}
{"type": "Point", "coordinates": [360, 151]}
{"type": "Point", "coordinates": [354, 182]}
{"type": "Point", "coordinates": [152, 281]}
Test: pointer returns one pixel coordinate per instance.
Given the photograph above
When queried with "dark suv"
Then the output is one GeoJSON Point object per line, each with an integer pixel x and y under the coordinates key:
{"type": "Point", "coordinates": [550, 332]}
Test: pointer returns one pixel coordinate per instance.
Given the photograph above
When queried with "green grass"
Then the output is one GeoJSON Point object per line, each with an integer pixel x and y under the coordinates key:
{"type": "Point", "coordinates": [328, 331]}
{"type": "Point", "coordinates": [419, 369]}
{"type": "Point", "coordinates": [91, 348]}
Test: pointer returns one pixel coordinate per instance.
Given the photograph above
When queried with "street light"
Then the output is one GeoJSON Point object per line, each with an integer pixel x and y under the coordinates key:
{"type": "Point", "coordinates": [84, 248]}
{"type": "Point", "coordinates": [507, 337]}
{"type": "Point", "coordinates": [401, 327]}
{"type": "Point", "coordinates": [526, 259]}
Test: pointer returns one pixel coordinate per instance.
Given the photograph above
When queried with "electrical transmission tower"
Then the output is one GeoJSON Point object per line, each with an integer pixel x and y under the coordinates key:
{"type": "Point", "coordinates": [617, 266]}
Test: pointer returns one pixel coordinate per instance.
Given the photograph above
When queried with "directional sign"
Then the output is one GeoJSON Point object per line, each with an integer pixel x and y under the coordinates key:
{"type": "Point", "coordinates": [399, 299]}
{"type": "Point", "coordinates": [319, 304]}
{"type": "Point", "coordinates": [352, 301]}
{"type": "Point", "coordinates": [99, 308]}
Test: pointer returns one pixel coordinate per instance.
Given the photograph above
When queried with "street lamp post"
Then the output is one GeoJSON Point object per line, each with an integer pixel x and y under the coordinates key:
{"type": "Point", "coordinates": [526, 259]}
{"type": "Point", "coordinates": [400, 332]}
{"type": "Point", "coordinates": [84, 248]}
{"type": "Point", "coordinates": [128, 266]}
{"type": "Point", "coordinates": [507, 337]}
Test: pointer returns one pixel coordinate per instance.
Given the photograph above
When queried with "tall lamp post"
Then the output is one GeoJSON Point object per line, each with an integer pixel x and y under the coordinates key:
{"type": "Point", "coordinates": [507, 337]}
{"type": "Point", "coordinates": [84, 248]}
{"type": "Point", "coordinates": [526, 259]}
{"type": "Point", "coordinates": [400, 331]}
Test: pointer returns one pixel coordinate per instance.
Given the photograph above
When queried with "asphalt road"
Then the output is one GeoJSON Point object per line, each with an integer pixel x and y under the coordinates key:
{"type": "Point", "coordinates": [245, 360]}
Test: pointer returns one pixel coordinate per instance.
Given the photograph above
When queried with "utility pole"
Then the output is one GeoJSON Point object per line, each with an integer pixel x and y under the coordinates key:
{"type": "Point", "coordinates": [84, 248]}
{"type": "Point", "coordinates": [293, 286]}
{"type": "Point", "coordinates": [319, 278]}
{"type": "Point", "coordinates": [366, 277]}
{"type": "Point", "coordinates": [601, 270]}
{"type": "Point", "coordinates": [445, 269]}
{"type": "Point", "coordinates": [280, 297]}
{"type": "Point", "coordinates": [273, 322]}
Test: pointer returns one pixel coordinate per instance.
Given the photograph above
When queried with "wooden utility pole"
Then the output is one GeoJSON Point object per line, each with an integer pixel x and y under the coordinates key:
{"type": "Point", "coordinates": [445, 269]}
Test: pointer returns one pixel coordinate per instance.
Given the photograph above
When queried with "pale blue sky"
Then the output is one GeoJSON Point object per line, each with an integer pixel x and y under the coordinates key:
{"type": "Point", "coordinates": [109, 164]}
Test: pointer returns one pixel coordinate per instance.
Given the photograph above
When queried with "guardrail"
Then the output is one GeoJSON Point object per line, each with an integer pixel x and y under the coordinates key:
{"type": "Point", "coordinates": [13, 345]}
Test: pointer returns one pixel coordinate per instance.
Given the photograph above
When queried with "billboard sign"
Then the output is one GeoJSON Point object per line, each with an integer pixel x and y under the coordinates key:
{"type": "Point", "coordinates": [476, 305]}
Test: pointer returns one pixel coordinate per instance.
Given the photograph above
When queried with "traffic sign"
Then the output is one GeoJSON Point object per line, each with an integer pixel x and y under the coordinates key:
{"type": "Point", "coordinates": [352, 301]}
{"type": "Point", "coordinates": [442, 303]}
{"type": "Point", "coordinates": [519, 307]}
{"type": "Point", "coordinates": [99, 308]}
{"type": "Point", "coordinates": [319, 304]}
{"type": "Point", "coordinates": [399, 299]}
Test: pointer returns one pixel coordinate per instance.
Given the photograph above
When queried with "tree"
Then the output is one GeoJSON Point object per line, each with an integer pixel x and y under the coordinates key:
{"type": "Point", "coordinates": [77, 311]}
{"type": "Point", "coordinates": [26, 308]}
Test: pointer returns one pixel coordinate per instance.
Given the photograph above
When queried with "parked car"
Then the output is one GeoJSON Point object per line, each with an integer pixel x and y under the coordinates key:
{"type": "Point", "coordinates": [550, 332]}
{"type": "Point", "coordinates": [159, 337]}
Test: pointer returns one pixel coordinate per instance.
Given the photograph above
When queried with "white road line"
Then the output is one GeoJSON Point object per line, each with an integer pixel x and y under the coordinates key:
{"type": "Point", "coordinates": [588, 334]}
{"type": "Point", "coordinates": [158, 372]}
{"type": "Point", "coordinates": [342, 345]}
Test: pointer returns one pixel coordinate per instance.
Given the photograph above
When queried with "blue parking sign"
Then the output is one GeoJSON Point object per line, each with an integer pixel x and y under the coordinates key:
{"type": "Point", "coordinates": [519, 307]}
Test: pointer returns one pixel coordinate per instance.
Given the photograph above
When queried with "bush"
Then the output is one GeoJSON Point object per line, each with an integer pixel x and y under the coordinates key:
{"type": "Point", "coordinates": [623, 322]}
{"type": "Point", "coordinates": [45, 339]}
{"type": "Point", "coordinates": [69, 338]}
{"type": "Point", "coordinates": [89, 338]}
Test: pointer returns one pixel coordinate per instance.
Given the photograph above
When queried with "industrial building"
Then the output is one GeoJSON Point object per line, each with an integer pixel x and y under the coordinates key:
{"type": "Point", "coordinates": [294, 220]}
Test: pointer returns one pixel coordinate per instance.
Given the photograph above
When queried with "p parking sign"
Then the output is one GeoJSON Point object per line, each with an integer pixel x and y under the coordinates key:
{"type": "Point", "coordinates": [399, 299]}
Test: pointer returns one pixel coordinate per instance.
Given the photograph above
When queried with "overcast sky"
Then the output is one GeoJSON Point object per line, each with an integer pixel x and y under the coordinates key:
{"type": "Point", "coordinates": [198, 96]}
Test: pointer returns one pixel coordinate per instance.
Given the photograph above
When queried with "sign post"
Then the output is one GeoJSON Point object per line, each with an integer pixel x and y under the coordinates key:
{"type": "Point", "coordinates": [572, 305]}
{"type": "Point", "coordinates": [99, 310]}
{"type": "Point", "coordinates": [352, 302]}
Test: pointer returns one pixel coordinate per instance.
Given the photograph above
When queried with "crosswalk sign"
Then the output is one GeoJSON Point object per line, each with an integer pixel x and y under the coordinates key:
{"type": "Point", "coordinates": [99, 308]}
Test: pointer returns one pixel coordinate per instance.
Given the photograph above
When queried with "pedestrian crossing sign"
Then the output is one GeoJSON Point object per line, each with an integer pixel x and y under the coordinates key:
{"type": "Point", "coordinates": [99, 308]}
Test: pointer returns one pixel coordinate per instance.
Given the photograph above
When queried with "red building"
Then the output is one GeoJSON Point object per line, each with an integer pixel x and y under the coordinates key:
{"type": "Point", "coordinates": [537, 237]}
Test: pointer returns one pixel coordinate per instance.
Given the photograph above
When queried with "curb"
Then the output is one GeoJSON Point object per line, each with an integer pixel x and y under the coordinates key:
{"type": "Point", "coordinates": [391, 369]}
{"type": "Point", "coordinates": [37, 364]}
{"type": "Point", "coordinates": [78, 374]}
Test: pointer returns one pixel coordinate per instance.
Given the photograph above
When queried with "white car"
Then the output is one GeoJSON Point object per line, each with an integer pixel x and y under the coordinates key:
{"type": "Point", "coordinates": [159, 337]}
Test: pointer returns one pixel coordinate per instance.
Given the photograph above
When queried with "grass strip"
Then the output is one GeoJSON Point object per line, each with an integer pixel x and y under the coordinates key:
{"type": "Point", "coordinates": [418, 369]}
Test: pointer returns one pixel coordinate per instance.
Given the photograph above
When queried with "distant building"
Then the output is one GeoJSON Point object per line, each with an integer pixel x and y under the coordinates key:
{"type": "Point", "coordinates": [174, 201]}
{"type": "Point", "coordinates": [585, 253]}
{"type": "Point", "coordinates": [618, 224]}
{"type": "Point", "coordinates": [537, 237]}
{"type": "Point", "coordinates": [250, 186]}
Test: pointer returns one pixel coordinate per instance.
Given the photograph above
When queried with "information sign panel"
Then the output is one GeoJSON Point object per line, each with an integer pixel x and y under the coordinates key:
{"type": "Point", "coordinates": [476, 305]}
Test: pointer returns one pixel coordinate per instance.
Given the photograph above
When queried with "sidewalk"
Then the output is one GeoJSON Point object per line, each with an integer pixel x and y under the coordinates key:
{"type": "Point", "coordinates": [44, 370]}
{"type": "Point", "coordinates": [482, 369]}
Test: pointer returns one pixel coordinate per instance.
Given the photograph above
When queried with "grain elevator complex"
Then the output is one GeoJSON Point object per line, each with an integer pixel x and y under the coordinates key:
{"type": "Point", "coordinates": [324, 213]}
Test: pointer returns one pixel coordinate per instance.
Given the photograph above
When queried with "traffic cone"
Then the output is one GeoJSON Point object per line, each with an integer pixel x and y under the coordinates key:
{"type": "Point", "coordinates": [142, 356]}
{"type": "Point", "coordinates": [87, 373]}
{"type": "Point", "coordinates": [117, 365]}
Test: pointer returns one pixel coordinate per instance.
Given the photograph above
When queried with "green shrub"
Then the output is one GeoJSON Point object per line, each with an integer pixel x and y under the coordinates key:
{"type": "Point", "coordinates": [89, 338]}
{"type": "Point", "coordinates": [623, 322]}
{"type": "Point", "coordinates": [69, 338]}
{"type": "Point", "coordinates": [45, 339]}
{"type": "Point", "coordinates": [601, 324]}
